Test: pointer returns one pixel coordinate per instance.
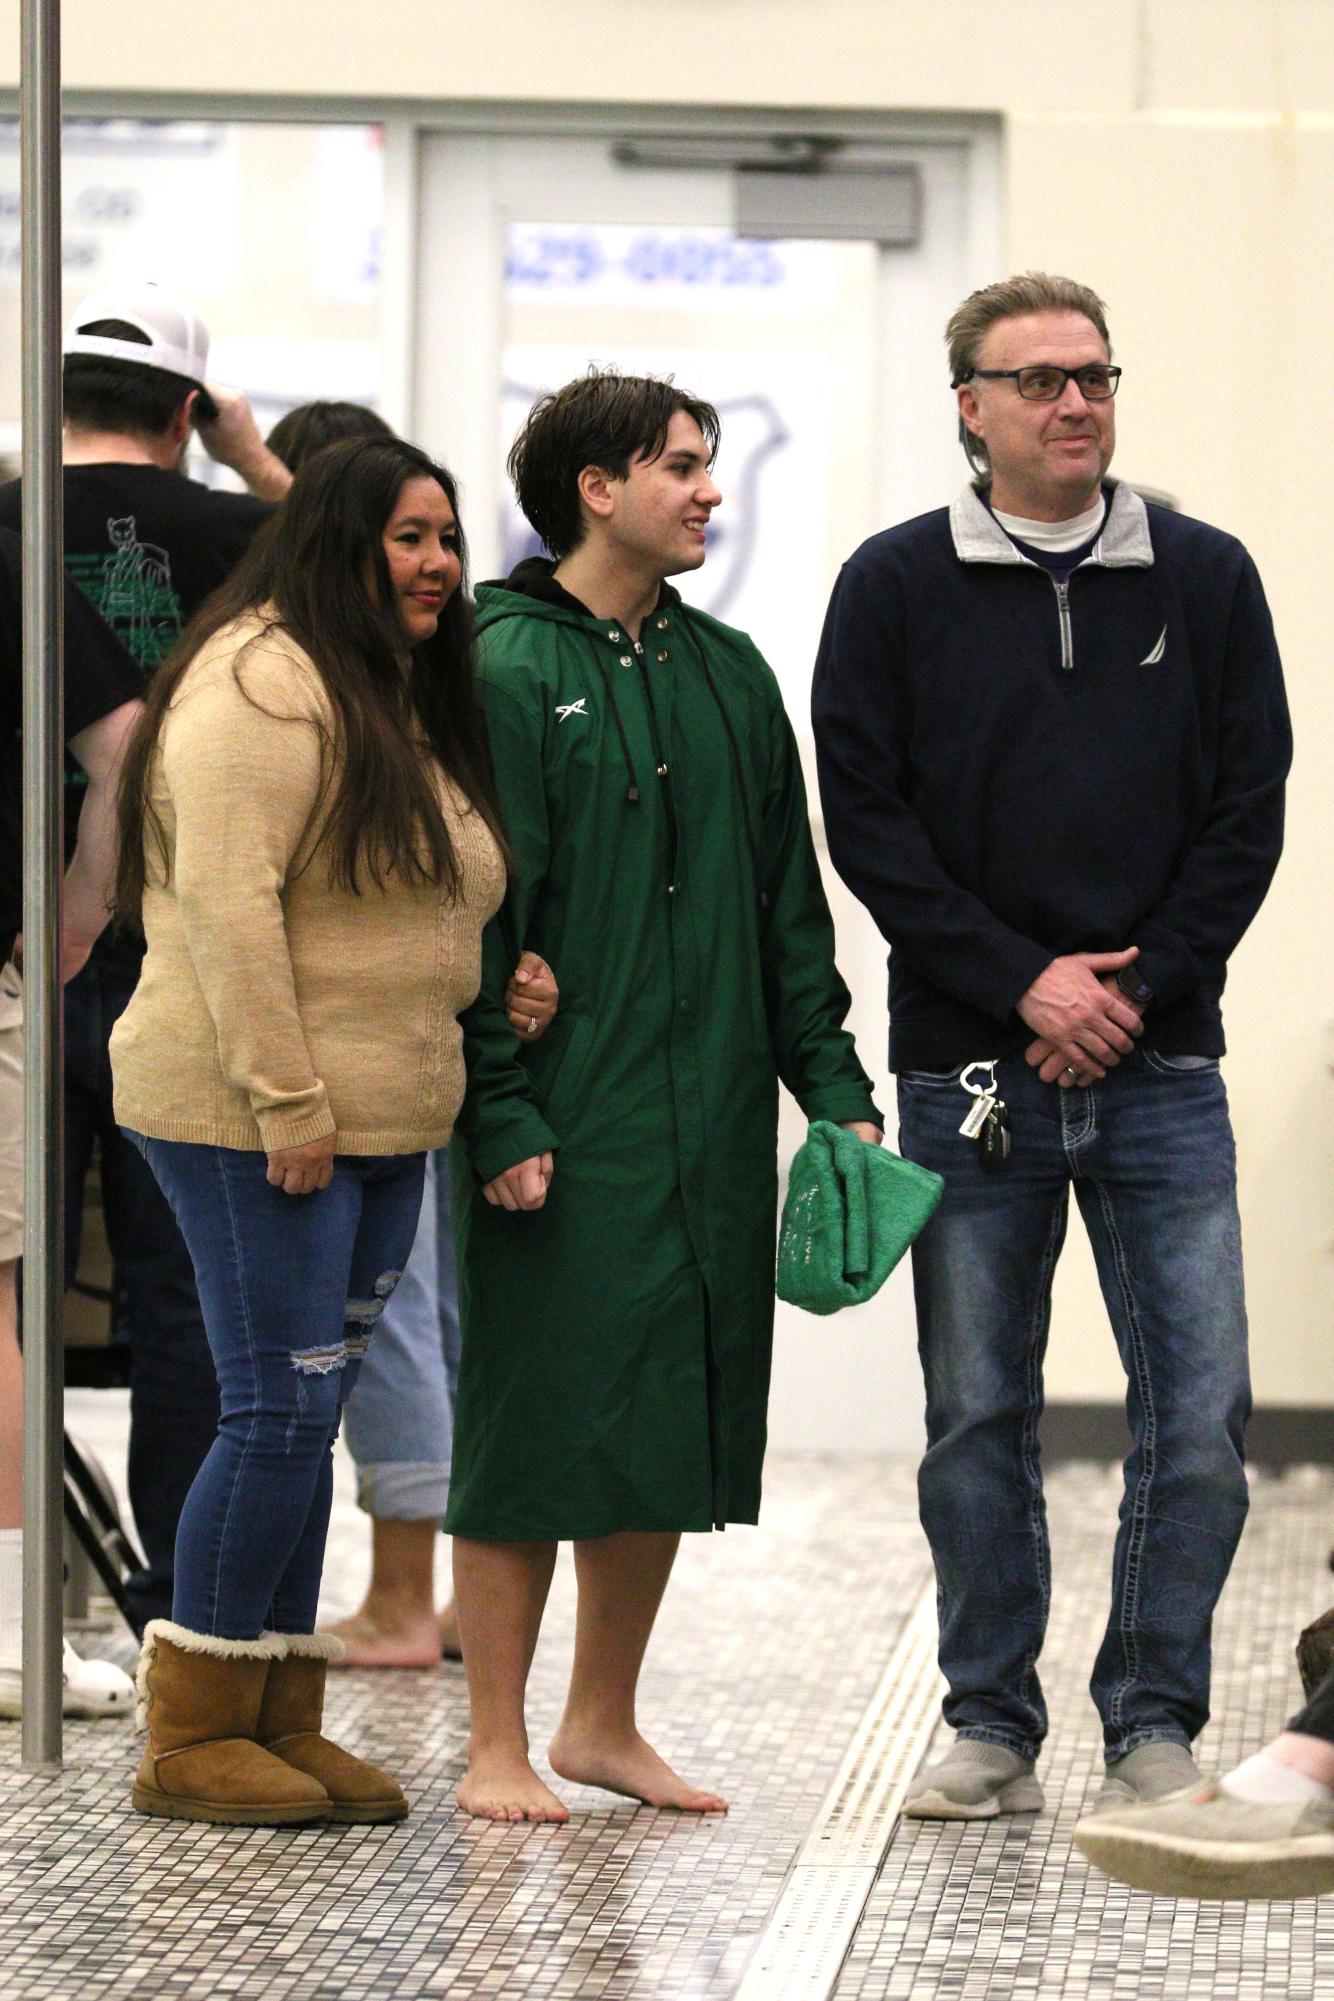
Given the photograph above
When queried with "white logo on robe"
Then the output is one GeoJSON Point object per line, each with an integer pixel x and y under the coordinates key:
{"type": "Point", "coordinates": [571, 709]}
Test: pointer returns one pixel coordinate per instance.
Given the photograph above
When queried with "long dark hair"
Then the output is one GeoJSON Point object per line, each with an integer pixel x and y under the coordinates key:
{"type": "Point", "coordinates": [318, 572]}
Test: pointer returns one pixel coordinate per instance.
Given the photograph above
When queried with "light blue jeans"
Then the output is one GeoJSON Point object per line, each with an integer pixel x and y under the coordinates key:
{"type": "Point", "coordinates": [399, 1423]}
{"type": "Point", "coordinates": [1148, 1154]}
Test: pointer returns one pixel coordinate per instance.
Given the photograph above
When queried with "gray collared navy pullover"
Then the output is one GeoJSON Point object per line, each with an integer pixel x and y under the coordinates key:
{"type": "Point", "coordinates": [1012, 769]}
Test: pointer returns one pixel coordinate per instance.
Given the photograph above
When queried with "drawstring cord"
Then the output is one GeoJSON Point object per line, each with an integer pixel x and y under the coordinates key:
{"type": "Point", "coordinates": [632, 786]}
{"type": "Point", "coordinates": [632, 793]}
{"type": "Point", "coordinates": [735, 749]}
{"type": "Point", "coordinates": [660, 763]}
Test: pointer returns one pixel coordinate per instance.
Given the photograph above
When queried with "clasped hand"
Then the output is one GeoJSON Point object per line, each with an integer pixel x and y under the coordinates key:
{"type": "Point", "coordinates": [1082, 1022]}
{"type": "Point", "coordinates": [523, 1186]}
{"type": "Point", "coordinates": [531, 1000]}
{"type": "Point", "coordinates": [532, 997]}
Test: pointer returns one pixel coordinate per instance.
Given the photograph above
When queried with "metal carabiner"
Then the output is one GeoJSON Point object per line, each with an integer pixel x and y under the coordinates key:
{"type": "Point", "coordinates": [987, 1090]}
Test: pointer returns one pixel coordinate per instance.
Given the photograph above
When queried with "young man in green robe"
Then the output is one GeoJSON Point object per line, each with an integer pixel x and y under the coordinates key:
{"type": "Point", "coordinates": [618, 1199]}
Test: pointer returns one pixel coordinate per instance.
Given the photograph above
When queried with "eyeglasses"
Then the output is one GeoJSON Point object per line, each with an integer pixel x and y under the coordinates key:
{"type": "Point", "coordinates": [1043, 382]}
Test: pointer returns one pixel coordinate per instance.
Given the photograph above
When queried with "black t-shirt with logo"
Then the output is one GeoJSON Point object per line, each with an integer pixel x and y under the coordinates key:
{"type": "Point", "coordinates": [146, 547]}
{"type": "Point", "coordinates": [99, 676]}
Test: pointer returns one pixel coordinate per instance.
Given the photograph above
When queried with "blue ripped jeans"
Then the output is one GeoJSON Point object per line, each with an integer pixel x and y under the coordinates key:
{"type": "Point", "coordinates": [291, 1287]}
{"type": "Point", "coordinates": [1149, 1155]}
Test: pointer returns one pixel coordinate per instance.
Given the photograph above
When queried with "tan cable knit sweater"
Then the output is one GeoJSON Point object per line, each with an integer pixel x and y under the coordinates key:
{"type": "Point", "coordinates": [275, 1007]}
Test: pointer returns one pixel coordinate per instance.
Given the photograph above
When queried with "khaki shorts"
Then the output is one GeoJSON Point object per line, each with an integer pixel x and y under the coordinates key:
{"type": "Point", "coordinates": [11, 1115]}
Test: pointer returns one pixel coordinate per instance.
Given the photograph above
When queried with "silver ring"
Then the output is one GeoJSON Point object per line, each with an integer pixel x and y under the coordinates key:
{"type": "Point", "coordinates": [532, 1025]}
{"type": "Point", "coordinates": [1070, 1070]}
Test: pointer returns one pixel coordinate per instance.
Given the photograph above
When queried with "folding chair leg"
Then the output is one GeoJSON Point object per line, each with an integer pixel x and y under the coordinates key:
{"type": "Point", "coordinates": [98, 1530]}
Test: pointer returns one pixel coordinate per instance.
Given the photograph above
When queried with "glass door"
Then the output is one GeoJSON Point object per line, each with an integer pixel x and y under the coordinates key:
{"type": "Point", "coordinates": [824, 356]}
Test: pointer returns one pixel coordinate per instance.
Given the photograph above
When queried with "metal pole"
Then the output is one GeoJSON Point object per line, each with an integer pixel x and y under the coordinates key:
{"type": "Point", "coordinates": [43, 860]}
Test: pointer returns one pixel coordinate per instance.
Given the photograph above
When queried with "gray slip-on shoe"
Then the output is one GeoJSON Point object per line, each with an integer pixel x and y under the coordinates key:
{"type": "Point", "coordinates": [1149, 1773]}
{"type": "Point", "coordinates": [973, 1781]}
{"type": "Point", "coordinates": [1209, 1843]}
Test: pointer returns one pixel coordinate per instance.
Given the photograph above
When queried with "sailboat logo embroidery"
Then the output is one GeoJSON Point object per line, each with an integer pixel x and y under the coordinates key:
{"type": "Point", "coordinates": [1158, 651]}
{"type": "Point", "coordinates": [571, 709]}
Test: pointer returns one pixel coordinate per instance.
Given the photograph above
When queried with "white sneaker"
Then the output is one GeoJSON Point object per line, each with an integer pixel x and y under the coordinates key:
{"type": "Point", "coordinates": [91, 1688]}
{"type": "Point", "coordinates": [96, 1688]}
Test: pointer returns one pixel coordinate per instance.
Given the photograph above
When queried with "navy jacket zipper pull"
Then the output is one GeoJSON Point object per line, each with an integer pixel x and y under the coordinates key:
{"type": "Point", "coordinates": [1067, 634]}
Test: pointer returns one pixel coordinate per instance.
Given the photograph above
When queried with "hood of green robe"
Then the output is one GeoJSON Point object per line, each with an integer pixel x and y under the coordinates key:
{"type": "Point", "coordinates": [534, 581]}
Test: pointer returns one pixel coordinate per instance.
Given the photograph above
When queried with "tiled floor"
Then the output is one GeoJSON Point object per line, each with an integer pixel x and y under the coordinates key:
{"type": "Point", "coordinates": [771, 1646]}
{"type": "Point", "coordinates": [1009, 1911]}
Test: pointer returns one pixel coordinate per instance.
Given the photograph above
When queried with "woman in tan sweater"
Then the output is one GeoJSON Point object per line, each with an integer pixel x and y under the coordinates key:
{"type": "Point", "coordinates": [310, 836]}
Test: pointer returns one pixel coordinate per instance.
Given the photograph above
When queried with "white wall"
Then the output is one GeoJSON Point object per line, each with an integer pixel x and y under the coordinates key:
{"type": "Point", "coordinates": [1006, 55]}
{"type": "Point", "coordinates": [1219, 275]}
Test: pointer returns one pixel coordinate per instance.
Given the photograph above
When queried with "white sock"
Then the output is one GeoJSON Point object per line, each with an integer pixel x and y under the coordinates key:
{"type": "Point", "coordinates": [1266, 1781]}
{"type": "Point", "coordinates": [11, 1596]}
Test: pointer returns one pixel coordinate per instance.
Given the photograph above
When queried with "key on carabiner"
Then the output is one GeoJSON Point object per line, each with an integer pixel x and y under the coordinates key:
{"type": "Point", "coordinates": [983, 1096]}
{"type": "Point", "coordinates": [994, 1140]}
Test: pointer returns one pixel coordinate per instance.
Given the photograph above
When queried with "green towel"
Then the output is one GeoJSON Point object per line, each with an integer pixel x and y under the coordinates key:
{"type": "Point", "coordinates": [851, 1212]}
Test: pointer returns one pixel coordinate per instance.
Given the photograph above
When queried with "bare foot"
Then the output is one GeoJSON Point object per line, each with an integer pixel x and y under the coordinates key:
{"type": "Point", "coordinates": [379, 1642]}
{"type": "Point", "coordinates": [451, 1644]}
{"type": "Point", "coordinates": [504, 1786]}
{"type": "Point", "coordinates": [628, 1766]}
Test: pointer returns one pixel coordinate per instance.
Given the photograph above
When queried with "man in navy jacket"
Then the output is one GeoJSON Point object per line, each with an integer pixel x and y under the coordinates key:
{"type": "Point", "coordinates": [1052, 739]}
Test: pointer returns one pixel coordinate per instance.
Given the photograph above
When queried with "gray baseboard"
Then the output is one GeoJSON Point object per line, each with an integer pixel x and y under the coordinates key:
{"type": "Point", "coordinates": [1278, 1435]}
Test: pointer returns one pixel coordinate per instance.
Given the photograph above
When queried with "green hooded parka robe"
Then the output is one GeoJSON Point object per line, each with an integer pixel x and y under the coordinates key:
{"type": "Point", "coordinates": [617, 1342]}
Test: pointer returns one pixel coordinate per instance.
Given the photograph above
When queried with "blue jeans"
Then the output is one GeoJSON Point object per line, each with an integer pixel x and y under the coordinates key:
{"type": "Point", "coordinates": [1149, 1152]}
{"type": "Point", "coordinates": [399, 1426]}
{"type": "Point", "coordinates": [173, 1388]}
{"type": "Point", "coordinates": [291, 1287]}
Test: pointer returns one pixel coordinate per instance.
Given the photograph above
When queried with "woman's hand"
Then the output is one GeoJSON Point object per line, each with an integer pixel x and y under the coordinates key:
{"type": "Point", "coordinates": [532, 997]}
{"type": "Point", "coordinates": [523, 1186]}
{"type": "Point", "coordinates": [300, 1170]}
{"type": "Point", "coordinates": [864, 1130]}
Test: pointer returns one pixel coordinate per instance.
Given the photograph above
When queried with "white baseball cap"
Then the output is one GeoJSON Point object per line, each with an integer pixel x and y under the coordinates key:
{"type": "Point", "coordinates": [175, 338]}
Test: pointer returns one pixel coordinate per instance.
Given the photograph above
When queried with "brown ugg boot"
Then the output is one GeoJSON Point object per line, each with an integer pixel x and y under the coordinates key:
{"type": "Point", "coordinates": [199, 1699]}
{"type": "Point", "coordinates": [289, 1726]}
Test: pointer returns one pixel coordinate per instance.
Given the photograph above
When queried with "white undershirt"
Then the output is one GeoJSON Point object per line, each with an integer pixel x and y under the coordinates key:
{"type": "Point", "coordinates": [1055, 536]}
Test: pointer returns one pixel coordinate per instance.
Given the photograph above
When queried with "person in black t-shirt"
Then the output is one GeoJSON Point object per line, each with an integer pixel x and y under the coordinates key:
{"type": "Point", "coordinates": [102, 684]}
{"type": "Point", "coordinates": [147, 546]}
{"type": "Point", "coordinates": [101, 705]}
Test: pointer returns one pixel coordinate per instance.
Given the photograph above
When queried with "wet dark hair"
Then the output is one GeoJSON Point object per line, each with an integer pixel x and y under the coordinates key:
{"type": "Point", "coordinates": [302, 432]}
{"type": "Point", "coordinates": [601, 419]}
{"type": "Point", "coordinates": [317, 571]}
{"type": "Point", "coordinates": [101, 394]}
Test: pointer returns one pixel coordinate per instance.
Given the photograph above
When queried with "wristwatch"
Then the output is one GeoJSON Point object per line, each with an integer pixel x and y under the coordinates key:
{"type": "Point", "coordinates": [1135, 987]}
